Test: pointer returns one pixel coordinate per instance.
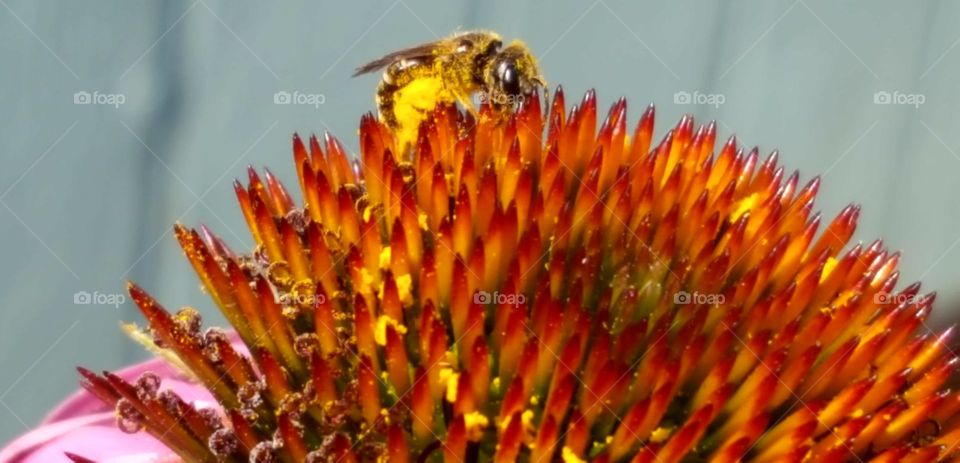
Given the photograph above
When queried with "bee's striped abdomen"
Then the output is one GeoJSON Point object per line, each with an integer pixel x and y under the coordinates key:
{"type": "Point", "coordinates": [385, 101]}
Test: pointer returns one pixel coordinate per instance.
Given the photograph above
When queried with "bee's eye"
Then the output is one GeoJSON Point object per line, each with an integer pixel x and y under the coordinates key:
{"type": "Point", "coordinates": [508, 77]}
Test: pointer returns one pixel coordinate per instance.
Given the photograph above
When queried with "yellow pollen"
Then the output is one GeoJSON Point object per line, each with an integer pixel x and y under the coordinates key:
{"type": "Point", "coordinates": [380, 335]}
{"type": "Point", "coordinates": [659, 435]}
{"type": "Point", "coordinates": [828, 267]}
{"type": "Point", "coordinates": [366, 278]}
{"type": "Point", "coordinates": [475, 422]}
{"type": "Point", "coordinates": [570, 457]}
{"type": "Point", "coordinates": [451, 379]}
{"type": "Point", "coordinates": [743, 206]}
{"type": "Point", "coordinates": [405, 288]}
{"type": "Point", "coordinates": [412, 102]}
{"type": "Point", "coordinates": [526, 419]}
{"type": "Point", "coordinates": [385, 257]}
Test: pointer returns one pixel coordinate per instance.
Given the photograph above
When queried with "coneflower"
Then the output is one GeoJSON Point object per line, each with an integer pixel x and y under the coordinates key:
{"type": "Point", "coordinates": [540, 290]}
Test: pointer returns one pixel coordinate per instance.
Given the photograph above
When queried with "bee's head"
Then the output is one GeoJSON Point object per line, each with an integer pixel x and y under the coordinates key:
{"type": "Point", "coordinates": [513, 74]}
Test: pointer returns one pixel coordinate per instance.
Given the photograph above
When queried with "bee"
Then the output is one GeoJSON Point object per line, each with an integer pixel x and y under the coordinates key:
{"type": "Point", "coordinates": [451, 70]}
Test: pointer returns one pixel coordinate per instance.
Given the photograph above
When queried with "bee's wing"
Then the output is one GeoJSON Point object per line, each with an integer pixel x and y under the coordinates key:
{"type": "Point", "coordinates": [424, 52]}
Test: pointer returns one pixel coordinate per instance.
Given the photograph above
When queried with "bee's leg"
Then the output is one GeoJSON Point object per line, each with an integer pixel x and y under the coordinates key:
{"type": "Point", "coordinates": [546, 96]}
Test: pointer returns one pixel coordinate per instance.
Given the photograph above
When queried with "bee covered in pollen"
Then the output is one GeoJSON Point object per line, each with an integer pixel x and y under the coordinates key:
{"type": "Point", "coordinates": [452, 70]}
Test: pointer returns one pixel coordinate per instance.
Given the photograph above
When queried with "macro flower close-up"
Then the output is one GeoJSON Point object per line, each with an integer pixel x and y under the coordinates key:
{"type": "Point", "coordinates": [493, 267]}
{"type": "Point", "coordinates": [556, 285]}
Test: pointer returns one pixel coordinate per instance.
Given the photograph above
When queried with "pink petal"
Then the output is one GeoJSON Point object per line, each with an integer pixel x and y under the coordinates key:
{"type": "Point", "coordinates": [85, 426]}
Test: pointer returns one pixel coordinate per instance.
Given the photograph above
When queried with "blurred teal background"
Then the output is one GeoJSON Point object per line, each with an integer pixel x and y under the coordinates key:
{"type": "Point", "coordinates": [181, 98]}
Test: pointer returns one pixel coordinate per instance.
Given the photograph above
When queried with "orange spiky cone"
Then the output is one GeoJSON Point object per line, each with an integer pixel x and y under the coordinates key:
{"type": "Point", "coordinates": [537, 289]}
